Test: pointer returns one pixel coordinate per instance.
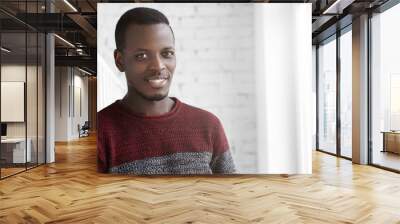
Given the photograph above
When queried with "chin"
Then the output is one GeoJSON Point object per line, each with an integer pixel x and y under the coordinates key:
{"type": "Point", "coordinates": [151, 95]}
{"type": "Point", "coordinates": [155, 96]}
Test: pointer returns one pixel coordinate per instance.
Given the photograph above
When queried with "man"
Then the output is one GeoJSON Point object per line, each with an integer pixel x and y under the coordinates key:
{"type": "Point", "coordinates": [148, 132]}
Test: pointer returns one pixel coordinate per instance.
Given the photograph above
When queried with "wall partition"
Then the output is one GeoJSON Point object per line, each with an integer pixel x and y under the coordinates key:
{"type": "Point", "coordinates": [22, 87]}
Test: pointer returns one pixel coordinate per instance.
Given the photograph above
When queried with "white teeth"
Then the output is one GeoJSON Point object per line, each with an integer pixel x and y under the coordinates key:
{"type": "Point", "coordinates": [157, 83]}
{"type": "Point", "coordinates": [157, 80]}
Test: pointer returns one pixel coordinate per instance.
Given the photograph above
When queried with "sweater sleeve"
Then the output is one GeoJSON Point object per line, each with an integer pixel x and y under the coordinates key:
{"type": "Point", "coordinates": [222, 161]}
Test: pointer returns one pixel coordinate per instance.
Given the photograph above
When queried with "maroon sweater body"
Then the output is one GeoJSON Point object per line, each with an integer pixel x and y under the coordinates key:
{"type": "Point", "coordinates": [186, 140]}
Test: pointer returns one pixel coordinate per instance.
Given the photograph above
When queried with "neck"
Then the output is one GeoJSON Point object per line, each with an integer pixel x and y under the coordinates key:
{"type": "Point", "coordinates": [142, 106]}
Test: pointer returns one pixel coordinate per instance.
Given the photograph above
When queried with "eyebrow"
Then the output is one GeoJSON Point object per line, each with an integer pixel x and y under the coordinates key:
{"type": "Point", "coordinates": [143, 49]}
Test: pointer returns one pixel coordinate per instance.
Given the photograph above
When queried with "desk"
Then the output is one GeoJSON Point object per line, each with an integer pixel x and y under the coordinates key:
{"type": "Point", "coordinates": [391, 141]}
{"type": "Point", "coordinates": [13, 150]}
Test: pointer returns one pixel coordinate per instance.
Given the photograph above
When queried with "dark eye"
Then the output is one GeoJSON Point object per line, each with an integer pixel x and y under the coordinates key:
{"type": "Point", "coordinates": [168, 54]}
{"type": "Point", "coordinates": [141, 56]}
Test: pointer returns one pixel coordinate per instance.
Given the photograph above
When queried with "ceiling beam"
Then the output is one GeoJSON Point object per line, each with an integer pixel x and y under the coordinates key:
{"type": "Point", "coordinates": [81, 61]}
{"type": "Point", "coordinates": [337, 6]}
{"type": "Point", "coordinates": [86, 26]}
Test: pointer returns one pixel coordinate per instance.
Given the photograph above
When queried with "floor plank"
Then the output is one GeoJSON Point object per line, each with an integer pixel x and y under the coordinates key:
{"type": "Point", "coordinates": [71, 191]}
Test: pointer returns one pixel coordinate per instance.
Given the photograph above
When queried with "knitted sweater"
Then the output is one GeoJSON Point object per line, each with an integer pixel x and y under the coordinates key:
{"type": "Point", "coordinates": [186, 140]}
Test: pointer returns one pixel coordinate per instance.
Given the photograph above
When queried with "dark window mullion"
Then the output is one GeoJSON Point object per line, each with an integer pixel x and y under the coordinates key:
{"type": "Point", "coordinates": [317, 95]}
{"type": "Point", "coordinates": [338, 92]}
{"type": "Point", "coordinates": [26, 86]}
{"type": "Point", "coordinates": [46, 35]}
{"type": "Point", "coordinates": [0, 96]}
{"type": "Point", "coordinates": [369, 90]}
{"type": "Point", "coordinates": [37, 89]}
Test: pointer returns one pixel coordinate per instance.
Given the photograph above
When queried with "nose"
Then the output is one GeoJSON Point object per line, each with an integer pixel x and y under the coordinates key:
{"type": "Point", "coordinates": [157, 64]}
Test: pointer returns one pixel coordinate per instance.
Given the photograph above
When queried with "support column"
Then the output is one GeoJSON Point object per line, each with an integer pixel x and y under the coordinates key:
{"type": "Point", "coordinates": [360, 90]}
{"type": "Point", "coordinates": [50, 92]}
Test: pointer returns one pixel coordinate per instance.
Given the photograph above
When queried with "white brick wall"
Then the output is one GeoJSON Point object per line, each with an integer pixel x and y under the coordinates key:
{"type": "Point", "coordinates": [214, 44]}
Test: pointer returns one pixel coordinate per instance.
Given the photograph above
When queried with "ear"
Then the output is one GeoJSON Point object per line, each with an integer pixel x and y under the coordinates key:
{"type": "Point", "coordinates": [118, 60]}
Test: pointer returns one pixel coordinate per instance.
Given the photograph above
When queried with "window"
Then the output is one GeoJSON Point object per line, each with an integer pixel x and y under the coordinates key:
{"type": "Point", "coordinates": [385, 88]}
{"type": "Point", "coordinates": [346, 93]}
{"type": "Point", "coordinates": [327, 96]}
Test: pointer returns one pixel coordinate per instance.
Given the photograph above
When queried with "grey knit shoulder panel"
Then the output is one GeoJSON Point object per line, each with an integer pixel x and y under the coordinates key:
{"type": "Point", "coordinates": [179, 163]}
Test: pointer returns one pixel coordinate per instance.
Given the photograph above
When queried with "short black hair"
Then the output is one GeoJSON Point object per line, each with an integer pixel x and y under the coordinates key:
{"type": "Point", "coordinates": [138, 16]}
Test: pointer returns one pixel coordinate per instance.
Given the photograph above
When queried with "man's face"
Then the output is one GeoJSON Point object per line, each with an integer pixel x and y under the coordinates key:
{"type": "Point", "coordinates": [148, 59]}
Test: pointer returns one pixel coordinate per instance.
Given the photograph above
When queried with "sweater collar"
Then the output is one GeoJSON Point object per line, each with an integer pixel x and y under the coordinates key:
{"type": "Point", "coordinates": [170, 113]}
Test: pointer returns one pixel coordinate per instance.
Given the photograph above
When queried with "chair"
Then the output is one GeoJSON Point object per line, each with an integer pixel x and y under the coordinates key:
{"type": "Point", "coordinates": [84, 130]}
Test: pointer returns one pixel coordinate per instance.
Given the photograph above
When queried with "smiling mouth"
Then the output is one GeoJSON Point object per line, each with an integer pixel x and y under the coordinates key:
{"type": "Point", "coordinates": [157, 82]}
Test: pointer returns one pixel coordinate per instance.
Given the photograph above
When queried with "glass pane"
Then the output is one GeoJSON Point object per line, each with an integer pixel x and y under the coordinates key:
{"type": "Point", "coordinates": [31, 98]}
{"type": "Point", "coordinates": [346, 94]}
{"type": "Point", "coordinates": [386, 89]}
{"type": "Point", "coordinates": [314, 92]}
{"type": "Point", "coordinates": [41, 98]}
{"type": "Point", "coordinates": [13, 87]}
{"type": "Point", "coordinates": [327, 97]}
{"type": "Point", "coordinates": [23, 82]}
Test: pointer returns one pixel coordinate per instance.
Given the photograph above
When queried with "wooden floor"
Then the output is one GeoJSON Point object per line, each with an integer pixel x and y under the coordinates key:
{"type": "Point", "coordinates": [10, 171]}
{"type": "Point", "coordinates": [5, 172]}
{"type": "Point", "coordinates": [70, 191]}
